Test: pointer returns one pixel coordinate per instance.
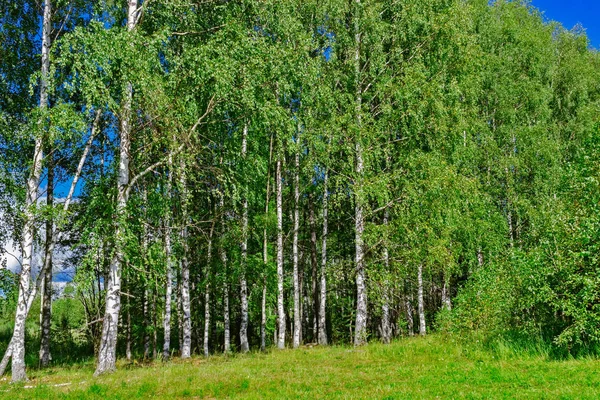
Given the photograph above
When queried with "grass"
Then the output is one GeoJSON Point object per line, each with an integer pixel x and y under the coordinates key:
{"type": "Point", "coordinates": [432, 367]}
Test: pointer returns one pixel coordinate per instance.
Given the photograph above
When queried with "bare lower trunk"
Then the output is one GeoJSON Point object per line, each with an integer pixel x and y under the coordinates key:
{"type": "Point", "coordinates": [168, 294]}
{"type": "Point", "coordinates": [446, 301]}
{"type": "Point", "coordinates": [146, 304]}
{"type": "Point", "coordinates": [280, 309]}
{"type": "Point", "coordinates": [46, 306]}
{"type": "Point", "coordinates": [128, 332]}
{"type": "Point", "coordinates": [107, 355]}
{"type": "Point", "coordinates": [147, 318]}
{"type": "Point", "coordinates": [207, 291]}
{"type": "Point", "coordinates": [263, 316]}
{"type": "Point", "coordinates": [223, 256]}
{"type": "Point", "coordinates": [385, 309]}
{"type": "Point", "coordinates": [18, 340]}
{"type": "Point", "coordinates": [323, 299]}
{"type": "Point", "coordinates": [422, 325]}
{"type": "Point", "coordinates": [409, 317]}
{"type": "Point", "coordinates": [297, 317]}
{"type": "Point", "coordinates": [244, 346]}
{"type": "Point", "coordinates": [360, 330]}
{"type": "Point", "coordinates": [314, 267]}
{"type": "Point", "coordinates": [186, 348]}
{"type": "Point", "coordinates": [263, 309]}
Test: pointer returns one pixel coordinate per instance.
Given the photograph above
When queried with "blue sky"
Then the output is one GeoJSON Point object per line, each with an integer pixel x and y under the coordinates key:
{"type": "Point", "coordinates": [571, 12]}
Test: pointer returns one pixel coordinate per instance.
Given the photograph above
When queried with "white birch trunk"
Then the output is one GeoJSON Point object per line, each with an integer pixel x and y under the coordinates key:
{"type": "Point", "coordinates": [107, 355]}
{"type": "Point", "coordinates": [169, 267]}
{"type": "Point", "coordinates": [223, 254]}
{"type": "Point", "coordinates": [280, 309]}
{"type": "Point", "coordinates": [360, 330]}
{"type": "Point", "coordinates": [409, 317]}
{"type": "Point", "coordinates": [207, 291]}
{"type": "Point", "coordinates": [446, 301]}
{"type": "Point", "coordinates": [18, 340]}
{"type": "Point", "coordinates": [186, 348]}
{"type": "Point", "coordinates": [314, 273]}
{"type": "Point", "coordinates": [263, 309]}
{"type": "Point", "coordinates": [422, 324]}
{"type": "Point", "coordinates": [297, 316]}
{"type": "Point", "coordinates": [244, 345]}
{"type": "Point", "coordinates": [323, 288]}
{"type": "Point", "coordinates": [385, 308]}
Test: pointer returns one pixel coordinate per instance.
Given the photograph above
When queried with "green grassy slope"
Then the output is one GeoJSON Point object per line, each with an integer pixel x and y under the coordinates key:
{"type": "Point", "coordinates": [434, 367]}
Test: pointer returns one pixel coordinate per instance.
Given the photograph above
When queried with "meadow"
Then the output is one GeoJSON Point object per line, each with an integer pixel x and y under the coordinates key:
{"type": "Point", "coordinates": [432, 367]}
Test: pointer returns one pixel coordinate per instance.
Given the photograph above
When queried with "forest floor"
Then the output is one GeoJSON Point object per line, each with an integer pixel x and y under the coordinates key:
{"type": "Point", "coordinates": [432, 367]}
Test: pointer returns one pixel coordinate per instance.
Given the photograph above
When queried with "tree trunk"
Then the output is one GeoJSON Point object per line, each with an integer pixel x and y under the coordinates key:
{"type": "Point", "coordinates": [385, 309]}
{"type": "Point", "coordinates": [18, 340]}
{"type": "Point", "coordinates": [263, 309]}
{"type": "Point", "coordinates": [186, 348]}
{"type": "Point", "coordinates": [422, 325]}
{"type": "Point", "coordinates": [280, 308]}
{"type": "Point", "coordinates": [207, 290]}
{"type": "Point", "coordinates": [410, 322]}
{"type": "Point", "coordinates": [169, 267]}
{"type": "Point", "coordinates": [244, 346]}
{"type": "Point", "coordinates": [314, 274]}
{"type": "Point", "coordinates": [360, 330]}
{"type": "Point", "coordinates": [128, 332]}
{"type": "Point", "coordinates": [297, 317]}
{"type": "Point", "coordinates": [107, 356]}
{"type": "Point", "coordinates": [446, 301]}
{"type": "Point", "coordinates": [323, 300]}
{"type": "Point", "coordinates": [223, 255]}
{"type": "Point", "coordinates": [46, 306]}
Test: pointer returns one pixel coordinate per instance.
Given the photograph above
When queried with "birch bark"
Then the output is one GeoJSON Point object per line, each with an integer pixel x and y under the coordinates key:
{"type": "Point", "coordinates": [360, 330]}
{"type": "Point", "coordinates": [280, 308]}
{"type": "Point", "coordinates": [422, 324]}
{"type": "Point", "coordinates": [297, 316]}
{"type": "Point", "coordinates": [18, 340]}
{"type": "Point", "coordinates": [186, 348]}
{"type": "Point", "coordinates": [107, 356]}
{"type": "Point", "coordinates": [244, 346]}
{"type": "Point", "coordinates": [323, 288]}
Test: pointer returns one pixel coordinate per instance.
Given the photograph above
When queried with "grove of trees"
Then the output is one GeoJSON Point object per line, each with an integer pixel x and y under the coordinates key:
{"type": "Point", "coordinates": [226, 176]}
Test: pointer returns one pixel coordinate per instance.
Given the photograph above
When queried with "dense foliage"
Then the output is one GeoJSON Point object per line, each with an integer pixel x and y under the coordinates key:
{"type": "Point", "coordinates": [344, 170]}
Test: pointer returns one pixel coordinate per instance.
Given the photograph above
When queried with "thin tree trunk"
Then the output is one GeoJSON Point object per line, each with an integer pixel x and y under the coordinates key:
{"type": "Point", "coordinates": [446, 301]}
{"type": "Point", "coordinates": [297, 316]}
{"type": "Point", "coordinates": [128, 331]}
{"type": "Point", "coordinates": [422, 324]}
{"type": "Point", "coordinates": [146, 305]}
{"type": "Point", "coordinates": [409, 317]}
{"type": "Point", "coordinates": [323, 300]}
{"type": "Point", "coordinates": [314, 274]}
{"type": "Point", "coordinates": [244, 346]}
{"type": "Point", "coordinates": [18, 340]}
{"type": "Point", "coordinates": [169, 272]}
{"type": "Point", "coordinates": [107, 356]}
{"type": "Point", "coordinates": [360, 330]}
{"type": "Point", "coordinates": [186, 348]}
{"type": "Point", "coordinates": [263, 309]}
{"type": "Point", "coordinates": [280, 308]}
{"type": "Point", "coordinates": [223, 255]}
{"type": "Point", "coordinates": [385, 311]}
{"type": "Point", "coordinates": [207, 290]}
{"type": "Point", "coordinates": [46, 306]}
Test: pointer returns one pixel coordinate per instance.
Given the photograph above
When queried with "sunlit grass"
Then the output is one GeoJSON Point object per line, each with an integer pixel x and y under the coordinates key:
{"type": "Point", "coordinates": [430, 367]}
